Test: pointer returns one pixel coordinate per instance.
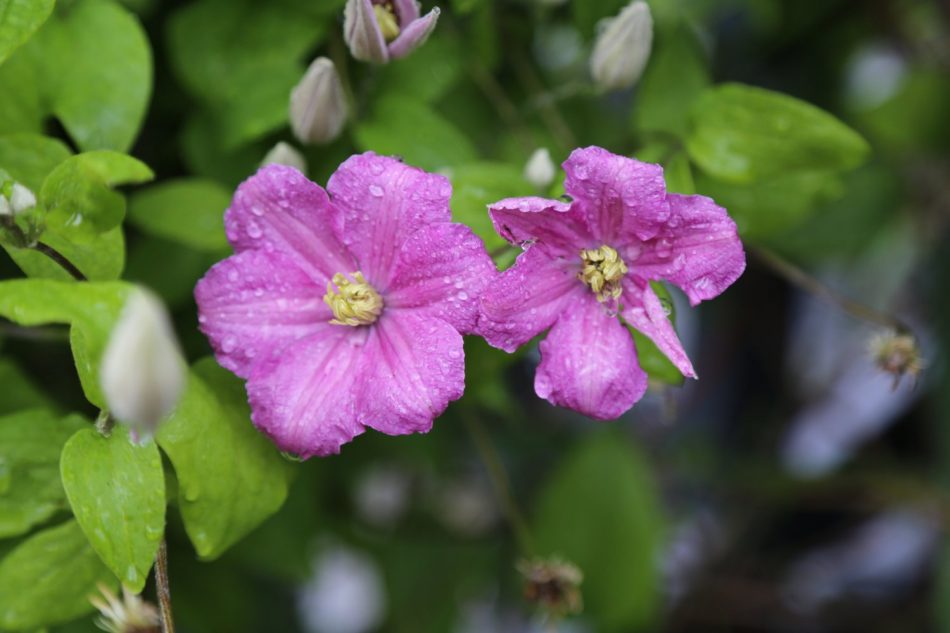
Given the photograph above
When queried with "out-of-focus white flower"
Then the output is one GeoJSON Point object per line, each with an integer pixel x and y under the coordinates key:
{"type": "Point", "coordinates": [874, 74]}
{"type": "Point", "coordinates": [623, 47]}
{"type": "Point", "coordinates": [131, 614]}
{"type": "Point", "coordinates": [467, 507]}
{"type": "Point", "coordinates": [540, 169]}
{"type": "Point", "coordinates": [382, 495]}
{"type": "Point", "coordinates": [142, 373]}
{"type": "Point", "coordinates": [345, 594]}
{"type": "Point", "coordinates": [19, 200]}
{"type": "Point", "coordinates": [318, 107]}
{"type": "Point", "coordinates": [285, 154]}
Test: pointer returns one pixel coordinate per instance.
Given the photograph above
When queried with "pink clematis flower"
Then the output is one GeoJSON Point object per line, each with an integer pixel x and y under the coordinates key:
{"type": "Point", "coordinates": [380, 30]}
{"type": "Point", "coordinates": [344, 311]}
{"type": "Point", "coordinates": [588, 260]}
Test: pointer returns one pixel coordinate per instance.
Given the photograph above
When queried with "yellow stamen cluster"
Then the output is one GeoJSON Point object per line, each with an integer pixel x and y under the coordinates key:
{"type": "Point", "coordinates": [602, 272]}
{"type": "Point", "coordinates": [353, 302]}
{"type": "Point", "coordinates": [388, 23]}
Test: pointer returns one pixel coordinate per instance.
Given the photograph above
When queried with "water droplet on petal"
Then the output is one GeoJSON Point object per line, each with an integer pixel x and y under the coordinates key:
{"type": "Point", "coordinates": [376, 191]}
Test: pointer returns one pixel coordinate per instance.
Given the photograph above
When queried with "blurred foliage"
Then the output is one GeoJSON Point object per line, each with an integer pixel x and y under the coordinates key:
{"type": "Point", "coordinates": [758, 104]}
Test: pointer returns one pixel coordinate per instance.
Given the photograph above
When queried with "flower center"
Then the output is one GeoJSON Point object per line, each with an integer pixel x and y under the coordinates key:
{"type": "Point", "coordinates": [388, 23]}
{"type": "Point", "coordinates": [353, 302]}
{"type": "Point", "coordinates": [602, 271]}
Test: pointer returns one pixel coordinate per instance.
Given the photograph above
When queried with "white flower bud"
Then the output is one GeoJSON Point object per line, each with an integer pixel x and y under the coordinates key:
{"type": "Point", "coordinates": [286, 154]}
{"type": "Point", "coordinates": [540, 169]}
{"type": "Point", "coordinates": [21, 199]}
{"type": "Point", "coordinates": [317, 105]}
{"type": "Point", "coordinates": [142, 373]}
{"type": "Point", "coordinates": [623, 48]}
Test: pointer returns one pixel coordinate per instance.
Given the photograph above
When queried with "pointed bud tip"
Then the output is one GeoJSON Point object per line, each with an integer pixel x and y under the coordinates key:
{"type": "Point", "coordinates": [623, 47]}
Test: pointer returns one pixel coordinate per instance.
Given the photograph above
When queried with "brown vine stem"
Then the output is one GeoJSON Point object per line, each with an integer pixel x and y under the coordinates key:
{"type": "Point", "coordinates": [60, 259]}
{"type": "Point", "coordinates": [809, 284]}
{"type": "Point", "coordinates": [500, 482]}
{"type": "Point", "coordinates": [161, 588]}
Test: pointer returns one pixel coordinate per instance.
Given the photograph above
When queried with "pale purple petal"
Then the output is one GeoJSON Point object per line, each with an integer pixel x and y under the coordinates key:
{"type": "Point", "coordinates": [527, 298]}
{"type": "Point", "coordinates": [384, 202]}
{"type": "Point", "coordinates": [699, 249]}
{"type": "Point", "coordinates": [643, 310]}
{"type": "Point", "coordinates": [407, 11]}
{"type": "Point", "coordinates": [441, 272]}
{"type": "Point", "coordinates": [254, 304]}
{"type": "Point", "coordinates": [309, 399]}
{"type": "Point", "coordinates": [589, 364]}
{"type": "Point", "coordinates": [362, 33]}
{"type": "Point", "coordinates": [555, 226]}
{"type": "Point", "coordinates": [279, 210]}
{"type": "Point", "coordinates": [414, 35]}
{"type": "Point", "coordinates": [417, 368]}
{"type": "Point", "coordinates": [623, 199]}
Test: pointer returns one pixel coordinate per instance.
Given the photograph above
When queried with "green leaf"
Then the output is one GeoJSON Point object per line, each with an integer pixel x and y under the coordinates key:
{"type": "Point", "coordinates": [230, 477]}
{"type": "Point", "coordinates": [30, 490]}
{"type": "Point", "coordinates": [23, 107]}
{"type": "Point", "coordinates": [48, 579]}
{"type": "Point", "coordinates": [658, 367]}
{"type": "Point", "coordinates": [604, 488]}
{"type": "Point", "coordinates": [29, 158]}
{"type": "Point", "coordinates": [90, 308]}
{"type": "Point", "coordinates": [188, 211]}
{"type": "Point", "coordinates": [103, 65]}
{"type": "Point", "coordinates": [769, 208]}
{"type": "Point", "coordinates": [675, 77]}
{"type": "Point", "coordinates": [744, 134]}
{"type": "Point", "coordinates": [242, 58]}
{"type": "Point", "coordinates": [475, 186]}
{"type": "Point", "coordinates": [117, 493]}
{"type": "Point", "coordinates": [413, 130]}
{"type": "Point", "coordinates": [19, 19]}
{"type": "Point", "coordinates": [19, 391]}
{"type": "Point", "coordinates": [78, 198]}
{"type": "Point", "coordinates": [428, 73]}
{"type": "Point", "coordinates": [101, 259]}
{"type": "Point", "coordinates": [679, 175]}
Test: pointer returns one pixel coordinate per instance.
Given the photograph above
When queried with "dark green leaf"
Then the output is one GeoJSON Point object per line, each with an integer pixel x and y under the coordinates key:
{"type": "Point", "coordinates": [20, 392]}
{"type": "Point", "coordinates": [190, 212]}
{"type": "Point", "coordinates": [475, 186]}
{"type": "Point", "coordinates": [744, 134]}
{"type": "Point", "coordinates": [30, 490]}
{"type": "Point", "coordinates": [48, 579]}
{"type": "Point", "coordinates": [230, 476]}
{"type": "Point", "coordinates": [604, 488]}
{"type": "Point", "coordinates": [117, 493]}
{"type": "Point", "coordinates": [654, 362]}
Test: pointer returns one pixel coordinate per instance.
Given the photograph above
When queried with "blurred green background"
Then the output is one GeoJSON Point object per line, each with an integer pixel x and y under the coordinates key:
{"type": "Point", "coordinates": [789, 489]}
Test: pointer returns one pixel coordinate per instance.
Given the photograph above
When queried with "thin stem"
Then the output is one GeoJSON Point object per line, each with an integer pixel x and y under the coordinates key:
{"type": "Point", "coordinates": [806, 282]}
{"type": "Point", "coordinates": [60, 259]}
{"type": "Point", "coordinates": [37, 333]}
{"type": "Point", "coordinates": [502, 104]}
{"type": "Point", "coordinates": [549, 111]}
{"type": "Point", "coordinates": [161, 588]}
{"type": "Point", "coordinates": [105, 423]}
{"type": "Point", "coordinates": [500, 482]}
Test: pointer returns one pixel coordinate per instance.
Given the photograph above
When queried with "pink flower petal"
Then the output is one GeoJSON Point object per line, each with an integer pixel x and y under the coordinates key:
{"type": "Point", "coordinates": [384, 202]}
{"type": "Point", "coordinates": [407, 11]}
{"type": "Point", "coordinates": [418, 367]}
{"type": "Point", "coordinates": [414, 35]}
{"type": "Point", "coordinates": [527, 298]}
{"type": "Point", "coordinates": [553, 225]}
{"type": "Point", "coordinates": [699, 250]}
{"type": "Point", "coordinates": [308, 400]}
{"type": "Point", "coordinates": [622, 198]}
{"type": "Point", "coordinates": [643, 310]}
{"type": "Point", "coordinates": [442, 270]}
{"type": "Point", "coordinates": [362, 33]}
{"type": "Point", "coordinates": [253, 304]}
{"type": "Point", "coordinates": [589, 364]}
{"type": "Point", "coordinates": [278, 209]}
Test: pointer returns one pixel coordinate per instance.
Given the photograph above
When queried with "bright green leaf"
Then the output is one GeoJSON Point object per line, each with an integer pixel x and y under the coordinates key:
{"type": "Point", "coordinates": [90, 308]}
{"type": "Point", "coordinates": [744, 134]}
{"type": "Point", "coordinates": [78, 198]}
{"type": "Point", "coordinates": [413, 130]}
{"type": "Point", "coordinates": [475, 186]}
{"type": "Point", "coordinates": [22, 108]}
{"type": "Point", "coordinates": [117, 493]}
{"type": "Point", "coordinates": [428, 73]}
{"type": "Point", "coordinates": [190, 212]}
{"type": "Point", "coordinates": [604, 488]}
{"type": "Point", "coordinates": [230, 477]}
{"type": "Point", "coordinates": [30, 490]}
{"type": "Point", "coordinates": [679, 174]}
{"type": "Point", "coordinates": [19, 391]}
{"type": "Point", "coordinates": [675, 77]}
{"type": "Point", "coordinates": [48, 578]}
{"type": "Point", "coordinates": [19, 19]}
{"type": "Point", "coordinates": [29, 158]}
{"type": "Point", "coordinates": [101, 259]}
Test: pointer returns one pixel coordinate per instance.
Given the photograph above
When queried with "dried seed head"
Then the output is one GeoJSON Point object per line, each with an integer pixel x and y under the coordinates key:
{"type": "Point", "coordinates": [553, 584]}
{"type": "Point", "coordinates": [896, 354]}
